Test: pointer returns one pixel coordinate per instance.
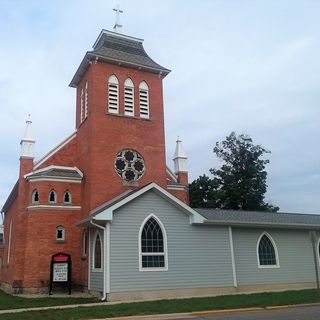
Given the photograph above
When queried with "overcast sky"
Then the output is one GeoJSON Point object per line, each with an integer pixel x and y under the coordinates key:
{"type": "Point", "coordinates": [247, 66]}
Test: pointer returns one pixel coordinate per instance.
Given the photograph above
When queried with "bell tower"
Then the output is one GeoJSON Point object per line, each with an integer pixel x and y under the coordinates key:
{"type": "Point", "coordinates": [119, 117]}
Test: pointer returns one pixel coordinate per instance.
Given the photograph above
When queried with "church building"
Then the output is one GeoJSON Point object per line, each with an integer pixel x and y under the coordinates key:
{"type": "Point", "coordinates": [106, 198]}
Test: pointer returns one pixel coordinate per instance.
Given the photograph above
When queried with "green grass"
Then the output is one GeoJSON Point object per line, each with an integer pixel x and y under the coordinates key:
{"type": "Point", "coordinates": [173, 306]}
{"type": "Point", "coordinates": [8, 301]}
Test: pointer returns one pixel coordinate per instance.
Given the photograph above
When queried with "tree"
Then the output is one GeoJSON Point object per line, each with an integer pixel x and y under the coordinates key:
{"type": "Point", "coordinates": [240, 183]}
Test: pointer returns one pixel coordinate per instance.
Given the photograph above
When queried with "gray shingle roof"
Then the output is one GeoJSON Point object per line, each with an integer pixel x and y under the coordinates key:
{"type": "Point", "coordinates": [66, 173]}
{"type": "Point", "coordinates": [260, 218]}
{"type": "Point", "coordinates": [118, 49]}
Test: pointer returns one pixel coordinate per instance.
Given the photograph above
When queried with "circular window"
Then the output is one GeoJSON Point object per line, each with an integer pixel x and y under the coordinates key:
{"type": "Point", "coordinates": [129, 165]}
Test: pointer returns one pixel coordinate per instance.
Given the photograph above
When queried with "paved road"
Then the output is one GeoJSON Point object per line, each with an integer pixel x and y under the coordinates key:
{"type": "Point", "coordinates": [296, 313]}
{"type": "Point", "coordinates": [311, 312]}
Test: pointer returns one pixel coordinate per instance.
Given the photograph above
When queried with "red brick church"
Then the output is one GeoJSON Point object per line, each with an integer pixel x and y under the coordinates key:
{"type": "Point", "coordinates": [118, 146]}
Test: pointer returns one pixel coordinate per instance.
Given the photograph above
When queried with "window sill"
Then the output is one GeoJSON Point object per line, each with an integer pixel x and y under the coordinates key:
{"type": "Point", "coordinates": [152, 269]}
{"type": "Point", "coordinates": [127, 116]}
{"type": "Point", "coordinates": [269, 267]}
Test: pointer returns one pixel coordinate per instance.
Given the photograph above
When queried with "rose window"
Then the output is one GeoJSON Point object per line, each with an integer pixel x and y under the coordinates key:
{"type": "Point", "coordinates": [129, 165]}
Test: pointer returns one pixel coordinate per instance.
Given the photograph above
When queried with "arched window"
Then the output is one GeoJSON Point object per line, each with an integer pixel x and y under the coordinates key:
{"type": "Point", "coordinates": [153, 245]}
{"type": "Point", "coordinates": [144, 100]}
{"type": "Point", "coordinates": [86, 100]}
{"type": "Point", "coordinates": [81, 105]}
{"type": "Point", "coordinates": [128, 98]}
{"type": "Point", "coordinates": [84, 243]}
{"type": "Point", "coordinates": [113, 94]}
{"type": "Point", "coordinates": [52, 197]}
{"type": "Point", "coordinates": [60, 233]}
{"type": "Point", "coordinates": [67, 197]}
{"type": "Point", "coordinates": [35, 196]}
{"type": "Point", "coordinates": [267, 252]}
{"type": "Point", "coordinates": [97, 252]}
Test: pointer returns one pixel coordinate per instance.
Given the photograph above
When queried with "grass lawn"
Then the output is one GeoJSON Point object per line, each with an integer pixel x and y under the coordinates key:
{"type": "Point", "coordinates": [173, 306]}
{"type": "Point", "coordinates": [8, 301]}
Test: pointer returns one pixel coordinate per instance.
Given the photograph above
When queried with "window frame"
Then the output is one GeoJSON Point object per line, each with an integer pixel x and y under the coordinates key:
{"type": "Point", "coordinates": [318, 250]}
{"type": "Point", "coordinates": [143, 87]}
{"type": "Point", "coordinates": [94, 269]}
{"type": "Point", "coordinates": [272, 266]}
{"type": "Point", "coordinates": [128, 97]}
{"type": "Point", "coordinates": [85, 237]}
{"type": "Point", "coordinates": [55, 196]}
{"type": "Point", "coordinates": [33, 196]}
{"type": "Point", "coordinates": [70, 197]}
{"type": "Point", "coordinates": [165, 246]}
{"type": "Point", "coordinates": [115, 108]}
{"type": "Point", "coordinates": [60, 227]}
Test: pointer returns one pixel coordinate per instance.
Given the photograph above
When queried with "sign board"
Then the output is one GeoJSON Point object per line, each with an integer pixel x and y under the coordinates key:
{"type": "Point", "coordinates": [60, 271]}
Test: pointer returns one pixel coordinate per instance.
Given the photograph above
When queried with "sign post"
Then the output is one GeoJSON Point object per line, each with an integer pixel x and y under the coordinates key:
{"type": "Point", "coordinates": [60, 270]}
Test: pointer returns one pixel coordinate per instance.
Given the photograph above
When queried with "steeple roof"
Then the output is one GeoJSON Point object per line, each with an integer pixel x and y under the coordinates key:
{"type": "Point", "coordinates": [116, 48]}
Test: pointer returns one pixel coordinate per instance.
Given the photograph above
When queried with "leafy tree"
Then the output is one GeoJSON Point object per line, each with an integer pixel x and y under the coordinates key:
{"type": "Point", "coordinates": [240, 183]}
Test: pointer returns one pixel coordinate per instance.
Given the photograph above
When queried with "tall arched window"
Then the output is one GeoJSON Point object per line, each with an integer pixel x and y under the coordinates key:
{"type": "Point", "coordinates": [153, 245]}
{"type": "Point", "coordinates": [86, 100]}
{"type": "Point", "coordinates": [128, 98]}
{"type": "Point", "coordinates": [97, 252]}
{"type": "Point", "coordinates": [52, 197]}
{"type": "Point", "coordinates": [84, 242]}
{"type": "Point", "coordinates": [81, 105]}
{"type": "Point", "coordinates": [35, 196]}
{"type": "Point", "coordinates": [113, 94]}
{"type": "Point", "coordinates": [144, 100]}
{"type": "Point", "coordinates": [267, 252]}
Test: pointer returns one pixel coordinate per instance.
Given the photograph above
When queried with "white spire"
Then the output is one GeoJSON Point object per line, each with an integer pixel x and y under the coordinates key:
{"type": "Point", "coordinates": [117, 26]}
{"type": "Point", "coordinates": [27, 142]}
{"type": "Point", "coordinates": [180, 158]}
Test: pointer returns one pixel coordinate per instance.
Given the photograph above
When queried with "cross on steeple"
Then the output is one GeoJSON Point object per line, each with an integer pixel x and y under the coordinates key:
{"type": "Point", "coordinates": [117, 26]}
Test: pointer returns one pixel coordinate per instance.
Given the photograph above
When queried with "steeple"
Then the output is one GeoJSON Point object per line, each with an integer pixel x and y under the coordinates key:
{"type": "Point", "coordinates": [180, 158]}
{"type": "Point", "coordinates": [27, 142]}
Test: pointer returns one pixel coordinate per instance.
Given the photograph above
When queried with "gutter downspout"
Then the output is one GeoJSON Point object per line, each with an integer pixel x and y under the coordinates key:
{"type": "Point", "coordinates": [104, 295]}
{"type": "Point", "coordinates": [313, 240]}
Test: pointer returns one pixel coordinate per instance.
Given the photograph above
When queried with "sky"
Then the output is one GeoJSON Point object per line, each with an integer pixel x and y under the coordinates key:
{"type": "Point", "coordinates": [247, 66]}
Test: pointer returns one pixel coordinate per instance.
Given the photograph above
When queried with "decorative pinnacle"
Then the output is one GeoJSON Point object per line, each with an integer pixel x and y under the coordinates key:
{"type": "Point", "coordinates": [117, 26]}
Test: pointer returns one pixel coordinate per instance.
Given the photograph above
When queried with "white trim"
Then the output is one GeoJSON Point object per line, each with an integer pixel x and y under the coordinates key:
{"type": "Point", "coordinates": [165, 246]}
{"type": "Point", "coordinates": [97, 233]}
{"type": "Point", "coordinates": [53, 206]}
{"type": "Point", "coordinates": [235, 283]}
{"type": "Point", "coordinates": [54, 180]}
{"type": "Point", "coordinates": [107, 260]}
{"type": "Point", "coordinates": [194, 217]}
{"type": "Point", "coordinates": [54, 150]}
{"type": "Point", "coordinates": [53, 167]}
{"type": "Point", "coordinates": [171, 174]}
{"type": "Point", "coordinates": [277, 265]}
{"type": "Point", "coordinates": [177, 187]}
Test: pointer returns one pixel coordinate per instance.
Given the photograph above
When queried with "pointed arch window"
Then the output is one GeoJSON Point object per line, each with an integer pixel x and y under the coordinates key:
{"type": "Point", "coordinates": [144, 100]}
{"type": "Point", "coordinates": [267, 252]}
{"type": "Point", "coordinates": [97, 252]}
{"type": "Point", "coordinates": [81, 105]}
{"type": "Point", "coordinates": [67, 197]}
{"type": "Point", "coordinates": [86, 100]}
{"type": "Point", "coordinates": [113, 94]}
{"type": "Point", "coordinates": [129, 98]}
{"type": "Point", "coordinates": [52, 197]}
{"type": "Point", "coordinates": [35, 196]}
{"type": "Point", "coordinates": [153, 245]}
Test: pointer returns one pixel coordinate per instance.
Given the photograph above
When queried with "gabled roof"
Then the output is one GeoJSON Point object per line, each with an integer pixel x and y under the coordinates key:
{"type": "Point", "coordinates": [12, 196]}
{"type": "Point", "coordinates": [116, 48]}
{"type": "Point", "coordinates": [56, 172]}
{"type": "Point", "coordinates": [260, 218]}
{"type": "Point", "coordinates": [105, 211]}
